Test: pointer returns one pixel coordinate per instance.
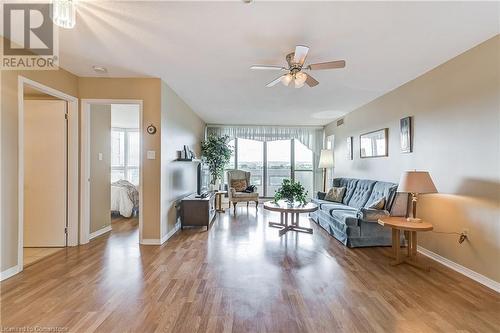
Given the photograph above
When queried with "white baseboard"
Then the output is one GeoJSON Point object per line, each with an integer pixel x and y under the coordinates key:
{"type": "Point", "coordinates": [461, 269]}
{"type": "Point", "coordinates": [150, 241]}
{"type": "Point", "coordinates": [100, 232]}
{"type": "Point", "coordinates": [169, 234]}
{"type": "Point", "coordinates": [9, 272]}
{"type": "Point", "coordinates": [154, 241]}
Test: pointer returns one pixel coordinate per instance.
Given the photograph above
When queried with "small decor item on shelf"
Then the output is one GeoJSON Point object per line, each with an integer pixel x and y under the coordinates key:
{"type": "Point", "coordinates": [216, 152]}
{"type": "Point", "coordinates": [187, 152]}
{"type": "Point", "coordinates": [291, 191]}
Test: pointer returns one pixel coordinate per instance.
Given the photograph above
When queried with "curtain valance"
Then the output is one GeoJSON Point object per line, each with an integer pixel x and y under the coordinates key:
{"type": "Point", "coordinates": [311, 137]}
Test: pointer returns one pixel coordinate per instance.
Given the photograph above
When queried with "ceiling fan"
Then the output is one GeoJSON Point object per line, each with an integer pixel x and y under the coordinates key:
{"type": "Point", "coordinates": [296, 67]}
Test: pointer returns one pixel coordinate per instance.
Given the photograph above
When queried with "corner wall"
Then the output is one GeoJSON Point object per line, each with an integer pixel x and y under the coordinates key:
{"type": "Point", "coordinates": [180, 126]}
{"type": "Point", "coordinates": [456, 114]}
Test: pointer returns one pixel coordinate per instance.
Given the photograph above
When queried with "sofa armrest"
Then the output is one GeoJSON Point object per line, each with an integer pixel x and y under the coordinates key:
{"type": "Point", "coordinates": [321, 195]}
{"type": "Point", "coordinates": [372, 215]}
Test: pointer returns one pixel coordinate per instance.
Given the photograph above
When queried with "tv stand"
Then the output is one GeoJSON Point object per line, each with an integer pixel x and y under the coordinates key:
{"type": "Point", "coordinates": [198, 212]}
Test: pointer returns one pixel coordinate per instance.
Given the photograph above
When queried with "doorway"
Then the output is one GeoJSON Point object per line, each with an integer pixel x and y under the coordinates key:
{"type": "Point", "coordinates": [48, 171]}
{"type": "Point", "coordinates": [111, 168]}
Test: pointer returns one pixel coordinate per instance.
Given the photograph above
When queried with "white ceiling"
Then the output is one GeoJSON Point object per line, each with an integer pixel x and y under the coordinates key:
{"type": "Point", "coordinates": [203, 50]}
{"type": "Point", "coordinates": [125, 115]}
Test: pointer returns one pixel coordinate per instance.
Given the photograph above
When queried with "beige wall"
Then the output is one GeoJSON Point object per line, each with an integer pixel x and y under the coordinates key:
{"type": "Point", "coordinates": [456, 110]}
{"type": "Point", "coordinates": [180, 126]}
{"type": "Point", "coordinates": [60, 80]}
{"type": "Point", "coordinates": [149, 91]}
{"type": "Point", "coordinates": [100, 170]}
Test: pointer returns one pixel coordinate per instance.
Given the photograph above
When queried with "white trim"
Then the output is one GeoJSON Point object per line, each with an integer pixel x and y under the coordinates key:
{"type": "Point", "coordinates": [171, 232]}
{"type": "Point", "coordinates": [461, 269]}
{"type": "Point", "coordinates": [85, 167]}
{"type": "Point", "coordinates": [155, 241]}
{"type": "Point", "coordinates": [150, 241]}
{"type": "Point", "coordinates": [73, 158]}
{"type": "Point", "coordinates": [9, 272]}
{"type": "Point", "coordinates": [100, 232]}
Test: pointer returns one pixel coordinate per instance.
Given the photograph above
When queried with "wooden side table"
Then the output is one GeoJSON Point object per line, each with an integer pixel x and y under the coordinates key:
{"type": "Point", "coordinates": [410, 230]}
{"type": "Point", "coordinates": [218, 199]}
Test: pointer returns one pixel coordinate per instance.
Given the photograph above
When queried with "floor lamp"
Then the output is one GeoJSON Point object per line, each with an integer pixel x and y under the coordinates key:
{"type": "Point", "coordinates": [325, 162]}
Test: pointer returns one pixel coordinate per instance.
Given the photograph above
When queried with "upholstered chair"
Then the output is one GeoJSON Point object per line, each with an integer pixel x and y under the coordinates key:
{"type": "Point", "coordinates": [239, 196]}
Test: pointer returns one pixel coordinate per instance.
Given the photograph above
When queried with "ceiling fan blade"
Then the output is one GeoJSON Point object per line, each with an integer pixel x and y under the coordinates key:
{"type": "Point", "coordinates": [327, 65]}
{"type": "Point", "coordinates": [311, 82]}
{"type": "Point", "coordinates": [300, 54]}
{"type": "Point", "coordinates": [274, 82]}
{"type": "Point", "coordinates": [268, 67]}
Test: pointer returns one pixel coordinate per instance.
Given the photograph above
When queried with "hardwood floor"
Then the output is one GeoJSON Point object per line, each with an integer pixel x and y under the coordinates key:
{"type": "Point", "coordinates": [240, 276]}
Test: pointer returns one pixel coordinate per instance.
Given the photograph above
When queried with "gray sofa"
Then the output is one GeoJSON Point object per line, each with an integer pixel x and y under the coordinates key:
{"type": "Point", "coordinates": [350, 221]}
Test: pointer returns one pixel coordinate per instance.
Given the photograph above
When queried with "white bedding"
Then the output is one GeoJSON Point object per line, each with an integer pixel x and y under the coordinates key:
{"type": "Point", "coordinates": [120, 201]}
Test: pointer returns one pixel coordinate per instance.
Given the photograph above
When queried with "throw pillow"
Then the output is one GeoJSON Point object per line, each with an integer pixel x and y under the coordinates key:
{"type": "Point", "coordinates": [239, 184]}
{"type": "Point", "coordinates": [335, 194]}
{"type": "Point", "coordinates": [377, 204]}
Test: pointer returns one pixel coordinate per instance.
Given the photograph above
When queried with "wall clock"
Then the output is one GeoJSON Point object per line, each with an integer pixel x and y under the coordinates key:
{"type": "Point", "coordinates": [151, 129]}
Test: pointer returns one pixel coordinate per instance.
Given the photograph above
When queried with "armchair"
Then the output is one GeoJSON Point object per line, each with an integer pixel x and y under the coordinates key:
{"type": "Point", "coordinates": [235, 196]}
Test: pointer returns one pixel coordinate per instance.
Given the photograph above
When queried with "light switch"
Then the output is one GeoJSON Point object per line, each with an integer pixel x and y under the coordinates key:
{"type": "Point", "coordinates": [151, 155]}
{"type": "Point", "coordinates": [100, 157]}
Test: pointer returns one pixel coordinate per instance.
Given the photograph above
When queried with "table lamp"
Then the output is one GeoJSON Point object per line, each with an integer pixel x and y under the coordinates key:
{"type": "Point", "coordinates": [415, 183]}
{"type": "Point", "coordinates": [325, 162]}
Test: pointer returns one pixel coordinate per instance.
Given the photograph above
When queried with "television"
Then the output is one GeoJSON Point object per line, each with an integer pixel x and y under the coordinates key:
{"type": "Point", "coordinates": [203, 179]}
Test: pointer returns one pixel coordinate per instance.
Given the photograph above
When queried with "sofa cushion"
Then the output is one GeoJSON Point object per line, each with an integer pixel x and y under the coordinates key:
{"type": "Point", "coordinates": [349, 184]}
{"type": "Point", "coordinates": [361, 193]}
{"type": "Point", "coordinates": [384, 190]}
{"type": "Point", "coordinates": [372, 215]}
{"type": "Point", "coordinates": [335, 194]}
{"type": "Point", "coordinates": [347, 217]}
{"type": "Point", "coordinates": [377, 204]}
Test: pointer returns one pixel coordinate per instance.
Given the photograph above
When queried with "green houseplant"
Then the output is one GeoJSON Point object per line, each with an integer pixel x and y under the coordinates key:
{"type": "Point", "coordinates": [216, 152]}
{"type": "Point", "coordinates": [291, 191]}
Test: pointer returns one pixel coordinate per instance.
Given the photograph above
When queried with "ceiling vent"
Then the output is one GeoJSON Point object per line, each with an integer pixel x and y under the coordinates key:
{"type": "Point", "coordinates": [340, 122]}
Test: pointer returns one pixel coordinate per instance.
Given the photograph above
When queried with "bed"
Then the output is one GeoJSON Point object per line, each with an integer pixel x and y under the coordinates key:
{"type": "Point", "coordinates": [124, 198]}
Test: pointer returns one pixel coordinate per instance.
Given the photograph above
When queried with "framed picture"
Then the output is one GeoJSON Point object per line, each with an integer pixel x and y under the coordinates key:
{"type": "Point", "coordinates": [405, 135]}
{"type": "Point", "coordinates": [374, 144]}
{"type": "Point", "coordinates": [349, 148]}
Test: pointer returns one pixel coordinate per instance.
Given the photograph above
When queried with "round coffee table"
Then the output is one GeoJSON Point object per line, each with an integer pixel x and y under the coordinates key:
{"type": "Point", "coordinates": [294, 210]}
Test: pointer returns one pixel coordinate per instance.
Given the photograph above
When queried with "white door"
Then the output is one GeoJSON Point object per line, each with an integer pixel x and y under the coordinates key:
{"type": "Point", "coordinates": [45, 173]}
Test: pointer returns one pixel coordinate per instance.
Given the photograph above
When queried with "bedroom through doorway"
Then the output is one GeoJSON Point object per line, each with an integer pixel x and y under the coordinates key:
{"type": "Point", "coordinates": [113, 165]}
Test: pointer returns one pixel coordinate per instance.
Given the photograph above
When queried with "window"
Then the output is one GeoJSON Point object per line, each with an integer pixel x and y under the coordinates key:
{"type": "Point", "coordinates": [330, 144]}
{"type": "Point", "coordinates": [250, 157]}
{"type": "Point", "coordinates": [303, 171]}
{"type": "Point", "coordinates": [271, 162]}
{"type": "Point", "coordinates": [125, 155]}
{"type": "Point", "coordinates": [279, 165]}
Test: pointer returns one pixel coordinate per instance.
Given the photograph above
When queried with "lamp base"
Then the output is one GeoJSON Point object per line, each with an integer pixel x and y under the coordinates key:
{"type": "Point", "coordinates": [413, 220]}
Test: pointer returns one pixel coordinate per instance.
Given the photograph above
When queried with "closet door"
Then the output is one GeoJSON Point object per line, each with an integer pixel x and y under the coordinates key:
{"type": "Point", "coordinates": [45, 173]}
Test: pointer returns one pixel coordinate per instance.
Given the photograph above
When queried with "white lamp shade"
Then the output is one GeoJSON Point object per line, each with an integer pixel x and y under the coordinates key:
{"type": "Point", "coordinates": [416, 182]}
{"type": "Point", "coordinates": [326, 159]}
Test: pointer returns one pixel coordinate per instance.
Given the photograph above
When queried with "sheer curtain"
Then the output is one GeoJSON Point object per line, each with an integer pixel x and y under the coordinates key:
{"type": "Point", "coordinates": [311, 137]}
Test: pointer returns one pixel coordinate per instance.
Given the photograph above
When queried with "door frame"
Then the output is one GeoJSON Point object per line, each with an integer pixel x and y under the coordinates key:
{"type": "Point", "coordinates": [72, 165]}
{"type": "Point", "coordinates": [85, 164]}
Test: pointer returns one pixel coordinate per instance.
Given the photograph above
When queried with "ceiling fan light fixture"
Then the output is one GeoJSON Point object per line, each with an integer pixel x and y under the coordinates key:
{"type": "Point", "coordinates": [286, 79]}
{"type": "Point", "coordinates": [64, 13]}
{"type": "Point", "coordinates": [298, 84]}
{"type": "Point", "coordinates": [300, 78]}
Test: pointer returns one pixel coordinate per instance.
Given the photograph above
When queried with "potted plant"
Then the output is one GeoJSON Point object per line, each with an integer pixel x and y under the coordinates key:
{"type": "Point", "coordinates": [216, 152]}
{"type": "Point", "coordinates": [291, 191]}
